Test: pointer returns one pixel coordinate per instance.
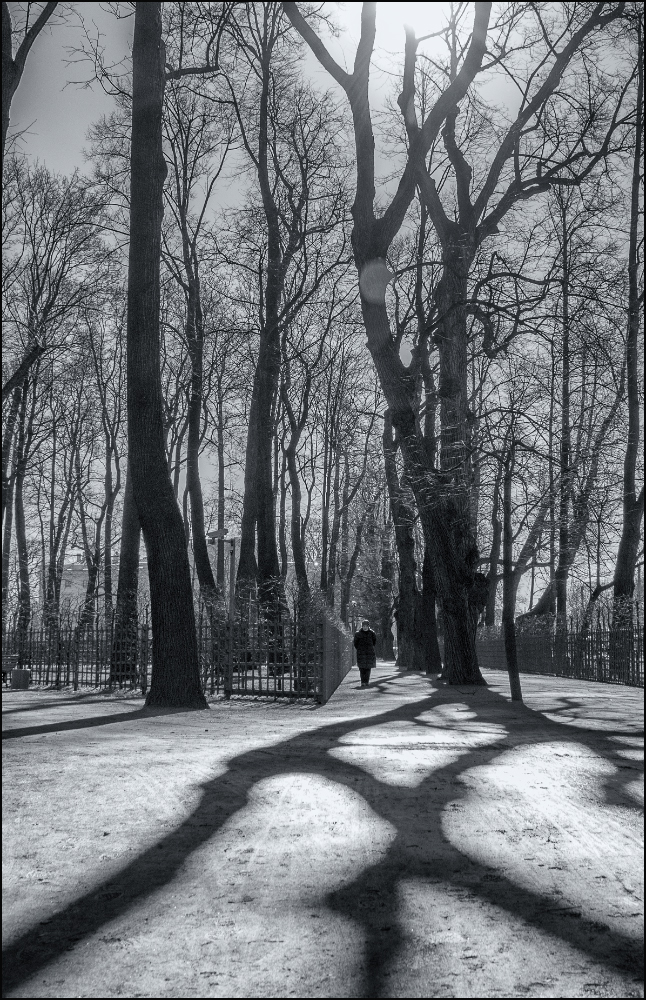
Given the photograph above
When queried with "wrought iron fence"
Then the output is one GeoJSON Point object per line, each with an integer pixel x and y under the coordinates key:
{"type": "Point", "coordinates": [260, 652]}
{"type": "Point", "coordinates": [614, 656]}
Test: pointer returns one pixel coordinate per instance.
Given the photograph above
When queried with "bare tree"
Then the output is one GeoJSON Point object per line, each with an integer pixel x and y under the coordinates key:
{"type": "Point", "coordinates": [13, 65]}
{"type": "Point", "coordinates": [175, 679]}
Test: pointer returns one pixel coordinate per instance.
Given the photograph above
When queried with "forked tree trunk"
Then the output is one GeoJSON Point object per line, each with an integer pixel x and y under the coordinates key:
{"type": "Point", "coordinates": [446, 533]}
{"type": "Point", "coordinates": [12, 68]}
{"type": "Point", "coordinates": [175, 663]}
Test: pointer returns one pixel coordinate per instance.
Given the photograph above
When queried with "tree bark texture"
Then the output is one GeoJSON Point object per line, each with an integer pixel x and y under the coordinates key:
{"type": "Point", "coordinates": [428, 615]}
{"type": "Point", "coordinates": [175, 673]}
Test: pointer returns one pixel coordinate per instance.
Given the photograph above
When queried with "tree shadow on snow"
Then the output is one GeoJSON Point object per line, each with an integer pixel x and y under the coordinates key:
{"type": "Point", "coordinates": [419, 851]}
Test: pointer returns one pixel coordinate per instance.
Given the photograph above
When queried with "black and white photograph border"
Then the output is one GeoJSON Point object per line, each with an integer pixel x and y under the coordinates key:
{"type": "Point", "coordinates": [322, 558]}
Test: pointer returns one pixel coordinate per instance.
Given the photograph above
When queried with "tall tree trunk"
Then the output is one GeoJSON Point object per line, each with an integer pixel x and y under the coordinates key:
{"type": "Point", "coordinates": [25, 436]}
{"type": "Point", "coordinates": [336, 529]}
{"type": "Point", "coordinates": [386, 580]}
{"type": "Point", "coordinates": [6, 544]}
{"type": "Point", "coordinates": [123, 663]}
{"type": "Point", "coordinates": [451, 296]}
{"type": "Point", "coordinates": [326, 495]}
{"type": "Point", "coordinates": [565, 447]}
{"type": "Point", "coordinates": [7, 440]}
{"type": "Point", "coordinates": [347, 577]}
{"type": "Point", "coordinates": [282, 515]}
{"type": "Point", "coordinates": [110, 496]}
{"type": "Point", "coordinates": [427, 599]}
{"type": "Point", "coordinates": [259, 506]}
{"type": "Point", "coordinates": [633, 504]}
{"type": "Point", "coordinates": [18, 410]}
{"type": "Point", "coordinates": [443, 520]}
{"type": "Point", "coordinates": [221, 493]}
{"type": "Point", "coordinates": [175, 675]}
{"type": "Point", "coordinates": [92, 552]}
{"type": "Point", "coordinates": [298, 549]}
{"type": "Point", "coordinates": [508, 581]}
{"type": "Point", "coordinates": [494, 555]}
{"type": "Point", "coordinates": [410, 654]}
{"type": "Point", "coordinates": [195, 336]}
{"type": "Point", "coordinates": [12, 68]}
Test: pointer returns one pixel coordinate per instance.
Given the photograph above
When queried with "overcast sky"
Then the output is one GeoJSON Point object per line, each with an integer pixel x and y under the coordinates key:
{"type": "Point", "coordinates": [57, 113]}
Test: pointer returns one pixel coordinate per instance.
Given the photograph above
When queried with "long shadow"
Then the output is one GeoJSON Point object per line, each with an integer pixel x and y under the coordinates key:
{"type": "Point", "coordinates": [371, 899]}
{"type": "Point", "coordinates": [90, 723]}
{"type": "Point", "coordinates": [91, 698]}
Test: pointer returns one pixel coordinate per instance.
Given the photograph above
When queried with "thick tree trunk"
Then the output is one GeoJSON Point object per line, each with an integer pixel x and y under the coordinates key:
{"type": "Point", "coordinates": [175, 675]}
{"type": "Point", "coordinates": [427, 599]}
{"type": "Point", "coordinates": [446, 533]}
{"type": "Point", "coordinates": [633, 504]}
{"type": "Point", "coordinates": [10, 74]}
{"type": "Point", "coordinates": [452, 338]}
{"type": "Point", "coordinates": [123, 663]}
{"type": "Point", "coordinates": [410, 653]}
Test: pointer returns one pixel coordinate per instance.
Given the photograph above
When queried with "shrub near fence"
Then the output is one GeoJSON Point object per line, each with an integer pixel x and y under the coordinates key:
{"type": "Point", "coordinates": [614, 656]}
{"type": "Point", "coordinates": [262, 652]}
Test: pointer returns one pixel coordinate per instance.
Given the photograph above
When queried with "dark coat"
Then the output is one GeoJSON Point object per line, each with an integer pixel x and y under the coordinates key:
{"type": "Point", "coordinates": [364, 643]}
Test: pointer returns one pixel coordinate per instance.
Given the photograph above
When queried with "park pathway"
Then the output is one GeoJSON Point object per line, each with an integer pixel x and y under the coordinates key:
{"type": "Point", "coordinates": [411, 840]}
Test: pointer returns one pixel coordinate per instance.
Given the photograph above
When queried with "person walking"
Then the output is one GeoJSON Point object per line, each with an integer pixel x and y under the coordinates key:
{"type": "Point", "coordinates": [364, 643]}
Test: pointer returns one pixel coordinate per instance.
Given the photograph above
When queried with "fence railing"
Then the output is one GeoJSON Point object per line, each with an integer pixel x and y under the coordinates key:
{"type": "Point", "coordinates": [261, 652]}
{"type": "Point", "coordinates": [614, 656]}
